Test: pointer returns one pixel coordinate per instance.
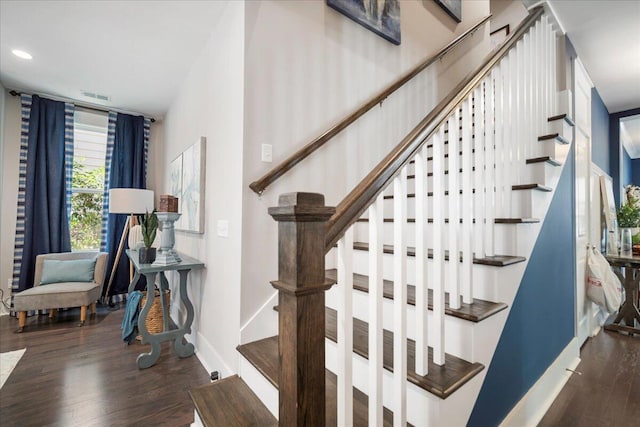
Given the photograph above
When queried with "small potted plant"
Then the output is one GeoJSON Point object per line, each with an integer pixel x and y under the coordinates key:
{"type": "Point", "coordinates": [149, 227]}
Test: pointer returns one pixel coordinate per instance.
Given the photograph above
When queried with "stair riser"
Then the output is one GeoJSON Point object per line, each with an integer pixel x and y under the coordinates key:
{"type": "Point", "coordinates": [265, 391]}
{"type": "Point", "coordinates": [485, 278]}
{"type": "Point", "coordinates": [501, 232]}
{"type": "Point", "coordinates": [562, 128]}
{"type": "Point", "coordinates": [555, 150]}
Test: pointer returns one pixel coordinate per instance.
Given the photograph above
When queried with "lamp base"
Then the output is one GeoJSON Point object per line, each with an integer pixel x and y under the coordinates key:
{"type": "Point", "coordinates": [167, 257]}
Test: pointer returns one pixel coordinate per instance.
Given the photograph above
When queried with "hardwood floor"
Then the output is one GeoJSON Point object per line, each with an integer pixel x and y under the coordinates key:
{"type": "Point", "coordinates": [71, 376]}
{"type": "Point", "coordinates": [607, 394]}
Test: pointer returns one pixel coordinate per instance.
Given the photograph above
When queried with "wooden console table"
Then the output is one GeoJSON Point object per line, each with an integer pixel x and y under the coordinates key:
{"type": "Point", "coordinates": [630, 309]}
{"type": "Point", "coordinates": [146, 360]}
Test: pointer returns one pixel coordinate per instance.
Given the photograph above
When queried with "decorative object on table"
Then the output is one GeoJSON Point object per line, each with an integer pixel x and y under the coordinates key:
{"type": "Point", "coordinates": [128, 201]}
{"type": "Point", "coordinates": [609, 206]}
{"type": "Point", "coordinates": [187, 174]}
{"type": "Point", "coordinates": [452, 7]}
{"type": "Point", "coordinates": [380, 16]}
{"type": "Point", "coordinates": [149, 228]}
{"type": "Point", "coordinates": [628, 218]}
{"type": "Point", "coordinates": [498, 36]}
{"type": "Point", "coordinates": [168, 203]}
{"type": "Point", "coordinates": [166, 254]}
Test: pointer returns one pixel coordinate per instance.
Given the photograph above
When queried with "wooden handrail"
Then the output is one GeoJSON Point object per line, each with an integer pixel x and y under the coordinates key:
{"type": "Point", "coordinates": [261, 184]}
{"type": "Point", "coordinates": [356, 202]}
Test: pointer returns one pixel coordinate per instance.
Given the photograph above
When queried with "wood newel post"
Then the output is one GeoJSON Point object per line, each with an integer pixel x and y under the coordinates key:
{"type": "Point", "coordinates": [301, 284]}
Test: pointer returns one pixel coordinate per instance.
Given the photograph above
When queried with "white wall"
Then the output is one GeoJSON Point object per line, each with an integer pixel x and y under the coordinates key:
{"type": "Point", "coordinates": [210, 104]}
{"type": "Point", "coordinates": [507, 12]}
{"type": "Point", "coordinates": [306, 67]}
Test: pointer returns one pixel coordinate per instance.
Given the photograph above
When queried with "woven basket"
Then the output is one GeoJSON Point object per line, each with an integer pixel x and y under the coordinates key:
{"type": "Point", "coordinates": [154, 317]}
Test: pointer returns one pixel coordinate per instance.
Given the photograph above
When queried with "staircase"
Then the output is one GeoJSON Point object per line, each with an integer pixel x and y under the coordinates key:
{"type": "Point", "coordinates": [427, 254]}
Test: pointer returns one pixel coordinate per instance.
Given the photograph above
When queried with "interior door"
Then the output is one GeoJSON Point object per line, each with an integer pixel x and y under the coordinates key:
{"type": "Point", "coordinates": [582, 109]}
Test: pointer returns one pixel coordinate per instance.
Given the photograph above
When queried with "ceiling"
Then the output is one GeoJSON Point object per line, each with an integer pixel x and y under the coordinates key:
{"type": "Point", "coordinates": [136, 52]}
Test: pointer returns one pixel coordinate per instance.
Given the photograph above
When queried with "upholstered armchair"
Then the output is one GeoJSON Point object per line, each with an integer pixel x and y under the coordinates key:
{"type": "Point", "coordinates": [63, 280]}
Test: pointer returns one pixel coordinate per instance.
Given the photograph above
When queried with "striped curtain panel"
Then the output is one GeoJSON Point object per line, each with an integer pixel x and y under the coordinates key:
{"type": "Point", "coordinates": [44, 184]}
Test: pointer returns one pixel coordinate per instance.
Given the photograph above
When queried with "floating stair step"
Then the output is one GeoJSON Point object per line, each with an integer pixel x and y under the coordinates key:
{"type": "Point", "coordinates": [545, 159]}
{"type": "Point", "coordinates": [446, 220]}
{"type": "Point", "coordinates": [536, 187]}
{"type": "Point", "coordinates": [476, 312]}
{"type": "Point", "coordinates": [553, 136]}
{"type": "Point", "coordinates": [496, 260]}
{"type": "Point", "coordinates": [442, 381]}
{"type": "Point", "coordinates": [263, 355]}
{"type": "Point", "coordinates": [230, 402]}
{"type": "Point", "coordinates": [561, 117]}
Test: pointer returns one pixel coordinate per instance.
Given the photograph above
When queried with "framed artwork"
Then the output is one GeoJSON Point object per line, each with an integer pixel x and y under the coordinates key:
{"type": "Point", "coordinates": [380, 16]}
{"type": "Point", "coordinates": [192, 187]}
{"type": "Point", "coordinates": [499, 36]}
{"type": "Point", "coordinates": [175, 176]}
{"type": "Point", "coordinates": [609, 206]}
{"type": "Point", "coordinates": [452, 7]}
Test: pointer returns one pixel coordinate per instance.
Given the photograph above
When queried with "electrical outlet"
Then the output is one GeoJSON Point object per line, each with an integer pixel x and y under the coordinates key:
{"type": "Point", "coordinates": [215, 376]}
{"type": "Point", "coordinates": [222, 228]}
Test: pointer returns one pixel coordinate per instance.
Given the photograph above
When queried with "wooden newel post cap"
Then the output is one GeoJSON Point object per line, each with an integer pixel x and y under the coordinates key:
{"type": "Point", "coordinates": [301, 207]}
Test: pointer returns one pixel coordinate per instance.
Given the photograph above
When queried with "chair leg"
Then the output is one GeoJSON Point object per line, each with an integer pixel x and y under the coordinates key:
{"type": "Point", "coordinates": [22, 319]}
{"type": "Point", "coordinates": [83, 315]}
{"type": "Point", "coordinates": [93, 308]}
{"type": "Point", "coordinates": [52, 312]}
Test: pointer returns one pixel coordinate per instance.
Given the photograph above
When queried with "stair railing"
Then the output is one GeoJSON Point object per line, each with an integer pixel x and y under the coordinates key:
{"type": "Point", "coordinates": [465, 155]}
{"type": "Point", "coordinates": [290, 162]}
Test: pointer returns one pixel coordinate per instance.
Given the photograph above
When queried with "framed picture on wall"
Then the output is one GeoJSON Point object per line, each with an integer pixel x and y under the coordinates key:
{"type": "Point", "coordinates": [609, 206]}
{"type": "Point", "coordinates": [452, 7]}
{"type": "Point", "coordinates": [192, 188]}
{"type": "Point", "coordinates": [380, 16]}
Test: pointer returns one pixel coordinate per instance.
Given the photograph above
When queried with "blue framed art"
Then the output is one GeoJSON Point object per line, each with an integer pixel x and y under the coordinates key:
{"type": "Point", "coordinates": [380, 16]}
{"type": "Point", "coordinates": [452, 7]}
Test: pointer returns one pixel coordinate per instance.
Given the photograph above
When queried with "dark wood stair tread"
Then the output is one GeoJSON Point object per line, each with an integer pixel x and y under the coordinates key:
{"type": "Point", "coordinates": [552, 136]}
{"type": "Point", "coordinates": [442, 381]}
{"type": "Point", "coordinates": [537, 187]}
{"type": "Point", "coordinates": [561, 117]}
{"type": "Point", "coordinates": [496, 260]}
{"type": "Point", "coordinates": [476, 312]}
{"type": "Point", "coordinates": [263, 355]}
{"type": "Point", "coordinates": [446, 220]}
{"type": "Point", "coordinates": [230, 402]}
{"type": "Point", "coordinates": [544, 159]}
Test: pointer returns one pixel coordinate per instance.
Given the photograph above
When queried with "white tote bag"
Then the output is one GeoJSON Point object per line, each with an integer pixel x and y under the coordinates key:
{"type": "Point", "coordinates": [603, 286]}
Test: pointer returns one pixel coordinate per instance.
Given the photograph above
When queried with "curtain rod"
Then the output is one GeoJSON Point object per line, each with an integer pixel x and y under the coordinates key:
{"type": "Point", "coordinates": [85, 106]}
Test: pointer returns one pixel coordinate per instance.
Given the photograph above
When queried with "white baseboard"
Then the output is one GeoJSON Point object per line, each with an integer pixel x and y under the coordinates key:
{"type": "Point", "coordinates": [532, 407]}
{"type": "Point", "coordinates": [210, 358]}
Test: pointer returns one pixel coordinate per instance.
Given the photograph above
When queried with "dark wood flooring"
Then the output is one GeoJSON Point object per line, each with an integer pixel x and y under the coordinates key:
{"type": "Point", "coordinates": [72, 376]}
{"type": "Point", "coordinates": [607, 394]}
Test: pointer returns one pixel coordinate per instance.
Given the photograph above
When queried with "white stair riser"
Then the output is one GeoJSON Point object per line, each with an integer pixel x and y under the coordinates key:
{"type": "Point", "coordinates": [266, 392]}
{"type": "Point", "coordinates": [562, 128]}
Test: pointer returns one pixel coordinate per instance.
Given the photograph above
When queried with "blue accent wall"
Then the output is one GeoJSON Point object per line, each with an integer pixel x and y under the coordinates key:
{"type": "Point", "coordinates": [635, 171]}
{"type": "Point", "coordinates": [615, 152]}
{"type": "Point", "coordinates": [541, 321]}
{"type": "Point", "coordinates": [599, 132]}
{"type": "Point", "coordinates": [625, 173]}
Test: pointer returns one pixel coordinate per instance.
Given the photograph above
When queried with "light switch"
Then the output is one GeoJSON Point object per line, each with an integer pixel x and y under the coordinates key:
{"type": "Point", "coordinates": [267, 153]}
{"type": "Point", "coordinates": [222, 228]}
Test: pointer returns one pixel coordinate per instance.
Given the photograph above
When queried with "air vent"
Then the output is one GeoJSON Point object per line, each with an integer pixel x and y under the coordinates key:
{"type": "Point", "coordinates": [95, 95]}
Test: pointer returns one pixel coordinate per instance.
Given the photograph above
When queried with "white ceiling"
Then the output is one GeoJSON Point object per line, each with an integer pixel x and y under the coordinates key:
{"type": "Point", "coordinates": [136, 52]}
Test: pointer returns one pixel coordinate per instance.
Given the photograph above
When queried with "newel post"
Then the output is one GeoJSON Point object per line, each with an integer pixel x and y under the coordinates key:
{"type": "Point", "coordinates": [301, 283]}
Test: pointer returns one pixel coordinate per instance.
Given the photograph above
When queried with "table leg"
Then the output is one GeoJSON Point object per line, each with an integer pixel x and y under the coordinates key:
{"type": "Point", "coordinates": [164, 286]}
{"type": "Point", "coordinates": [132, 285]}
{"type": "Point", "coordinates": [146, 360]}
{"type": "Point", "coordinates": [186, 349]}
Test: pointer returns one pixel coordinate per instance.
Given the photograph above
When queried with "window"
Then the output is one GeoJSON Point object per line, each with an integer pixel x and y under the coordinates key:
{"type": "Point", "coordinates": [90, 146]}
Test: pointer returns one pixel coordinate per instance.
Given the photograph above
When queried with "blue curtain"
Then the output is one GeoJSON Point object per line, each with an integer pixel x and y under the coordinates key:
{"type": "Point", "coordinates": [126, 167]}
{"type": "Point", "coordinates": [42, 225]}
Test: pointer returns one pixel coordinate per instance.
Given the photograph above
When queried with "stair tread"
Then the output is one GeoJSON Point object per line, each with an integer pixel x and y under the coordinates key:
{"type": "Point", "coordinates": [476, 312]}
{"type": "Point", "coordinates": [442, 381]}
{"type": "Point", "coordinates": [537, 187]}
{"type": "Point", "coordinates": [555, 136]}
{"type": "Point", "coordinates": [263, 355]}
{"type": "Point", "coordinates": [544, 159]}
{"type": "Point", "coordinates": [429, 194]}
{"type": "Point", "coordinates": [230, 402]}
{"type": "Point", "coordinates": [495, 260]}
{"type": "Point", "coordinates": [561, 117]}
{"type": "Point", "coordinates": [446, 220]}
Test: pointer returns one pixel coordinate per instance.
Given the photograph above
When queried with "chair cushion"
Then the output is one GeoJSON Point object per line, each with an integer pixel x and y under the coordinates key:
{"type": "Point", "coordinates": [77, 270]}
{"type": "Point", "coordinates": [56, 295]}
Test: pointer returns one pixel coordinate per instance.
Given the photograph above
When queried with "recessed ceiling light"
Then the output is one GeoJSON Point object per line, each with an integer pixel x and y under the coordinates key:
{"type": "Point", "coordinates": [21, 54]}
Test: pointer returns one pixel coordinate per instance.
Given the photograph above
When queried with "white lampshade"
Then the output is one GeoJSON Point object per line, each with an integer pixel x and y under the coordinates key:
{"type": "Point", "coordinates": [130, 201]}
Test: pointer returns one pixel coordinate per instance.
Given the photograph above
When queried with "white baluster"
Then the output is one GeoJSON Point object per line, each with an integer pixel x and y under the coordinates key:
{"type": "Point", "coordinates": [499, 125]}
{"type": "Point", "coordinates": [480, 181]}
{"type": "Point", "coordinates": [376, 212]}
{"type": "Point", "coordinates": [489, 187]}
{"type": "Point", "coordinates": [345, 329]}
{"type": "Point", "coordinates": [420, 167]}
{"type": "Point", "coordinates": [454, 210]}
{"type": "Point", "coordinates": [438, 253]}
{"type": "Point", "coordinates": [512, 150]}
{"type": "Point", "coordinates": [519, 107]}
{"type": "Point", "coordinates": [400, 299]}
{"type": "Point", "coordinates": [467, 203]}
